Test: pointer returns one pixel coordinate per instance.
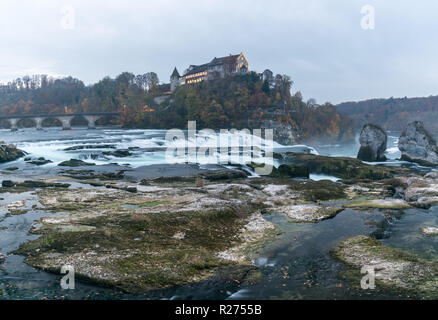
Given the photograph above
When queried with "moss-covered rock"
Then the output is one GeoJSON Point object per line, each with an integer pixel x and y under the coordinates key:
{"type": "Point", "coordinates": [305, 190]}
{"type": "Point", "coordinates": [290, 171]}
{"type": "Point", "coordinates": [217, 175]}
{"type": "Point", "coordinates": [343, 167]}
{"type": "Point", "coordinates": [138, 242]}
{"type": "Point", "coordinates": [75, 163]}
{"type": "Point", "coordinates": [92, 175]}
{"type": "Point", "coordinates": [30, 185]}
{"type": "Point", "coordinates": [118, 153]}
{"type": "Point", "coordinates": [9, 152]}
{"type": "Point", "coordinates": [396, 204]}
{"type": "Point", "coordinates": [39, 162]}
{"type": "Point", "coordinates": [171, 179]}
{"type": "Point", "coordinates": [308, 212]}
{"type": "Point", "coordinates": [8, 184]}
{"type": "Point", "coordinates": [393, 268]}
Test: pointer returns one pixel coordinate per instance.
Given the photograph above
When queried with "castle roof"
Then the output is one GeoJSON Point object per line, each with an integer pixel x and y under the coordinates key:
{"type": "Point", "coordinates": [215, 62]}
{"type": "Point", "coordinates": [195, 69]}
{"type": "Point", "coordinates": [222, 60]}
{"type": "Point", "coordinates": [175, 73]}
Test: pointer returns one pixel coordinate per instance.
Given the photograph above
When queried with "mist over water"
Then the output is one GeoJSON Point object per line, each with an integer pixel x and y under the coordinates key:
{"type": "Point", "coordinates": [351, 149]}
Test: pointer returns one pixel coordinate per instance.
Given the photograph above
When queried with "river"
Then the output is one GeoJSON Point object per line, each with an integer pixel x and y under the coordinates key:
{"type": "Point", "coordinates": [297, 265]}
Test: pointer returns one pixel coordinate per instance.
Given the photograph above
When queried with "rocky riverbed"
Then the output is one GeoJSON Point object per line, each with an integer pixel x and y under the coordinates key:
{"type": "Point", "coordinates": [169, 228]}
{"type": "Point", "coordinates": [168, 231]}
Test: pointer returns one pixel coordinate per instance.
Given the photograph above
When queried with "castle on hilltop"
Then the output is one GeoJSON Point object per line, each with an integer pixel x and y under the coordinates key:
{"type": "Point", "coordinates": [216, 68]}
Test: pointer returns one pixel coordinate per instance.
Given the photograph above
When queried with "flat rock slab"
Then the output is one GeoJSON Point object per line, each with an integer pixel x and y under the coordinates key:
{"type": "Point", "coordinates": [308, 212]}
{"type": "Point", "coordinates": [429, 231]}
{"type": "Point", "coordinates": [379, 204]}
{"type": "Point", "coordinates": [392, 268]}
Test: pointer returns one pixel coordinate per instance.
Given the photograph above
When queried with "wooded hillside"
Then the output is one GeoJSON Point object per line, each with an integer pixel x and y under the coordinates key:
{"type": "Point", "coordinates": [393, 114]}
{"type": "Point", "coordinates": [240, 101]}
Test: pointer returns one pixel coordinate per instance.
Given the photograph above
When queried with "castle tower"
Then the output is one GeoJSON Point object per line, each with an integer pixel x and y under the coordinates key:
{"type": "Point", "coordinates": [174, 80]}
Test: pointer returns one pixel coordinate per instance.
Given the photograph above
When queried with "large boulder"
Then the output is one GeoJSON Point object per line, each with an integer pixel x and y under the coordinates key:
{"type": "Point", "coordinates": [217, 175]}
{"type": "Point", "coordinates": [416, 144]}
{"type": "Point", "coordinates": [290, 171]}
{"type": "Point", "coordinates": [373, 140]}
{"type": "Point", "coordinates": [9, 152]}
{"type": "Point", "coordinates": [8, 184]}
{"type": "Point", "coordinates": [75, 163]}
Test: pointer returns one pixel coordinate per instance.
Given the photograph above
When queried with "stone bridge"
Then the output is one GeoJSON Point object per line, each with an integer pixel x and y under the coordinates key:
{"type": "Point", "coordinates": [64, 118]}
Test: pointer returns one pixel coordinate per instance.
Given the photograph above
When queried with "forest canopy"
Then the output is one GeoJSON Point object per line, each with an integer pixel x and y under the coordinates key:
{"type": "Point", "coordinates": [238, 101]}
{"type": "Point", "coordinates": [393, 113]}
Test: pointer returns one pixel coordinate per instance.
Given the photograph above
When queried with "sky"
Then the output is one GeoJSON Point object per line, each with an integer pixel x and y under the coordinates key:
{"type": "Point", "coordinates": [331, 48]}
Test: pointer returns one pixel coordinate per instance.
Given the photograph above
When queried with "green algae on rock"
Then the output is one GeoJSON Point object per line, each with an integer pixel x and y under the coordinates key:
{"type": "Point", "coordinates": [379, 204]}
{"type": "Point", "coordinates": [343, 167]}
{"type": "Point", "coordinates": [393, 268]}
{"type": "Point", "coordinates": [175, 231]}
{"type": "Point", "coordinates": [152, 240]}
{"type": "Point", "coordinates": [28, 185]}
{"type": "Point", "coordinates": [308, 212]}
{"type": "Point", "coordinates": [308, 190]}
{"type": "Point", "coordinates": [91, 174]}
{"type": "Point", "coordinates": [218, 175]}
{"type": "Point", "coordinates": [299, 200]}
{"type": "Point", "coordinates": [168, 233]}
{"type": "Point", "coordinates": [290, 171]}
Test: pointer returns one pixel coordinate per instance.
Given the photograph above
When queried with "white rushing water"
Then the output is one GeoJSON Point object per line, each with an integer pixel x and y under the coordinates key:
{"type": "Point", "coordinates": [145, 147]}
{"type": "Point", "coordinates": [148, 147]}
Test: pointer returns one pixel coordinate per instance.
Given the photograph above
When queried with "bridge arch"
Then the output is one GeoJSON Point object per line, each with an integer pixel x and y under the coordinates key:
{"type": "Point", "coordinates": [30, 123]}
{"type": "Point", "coordinates": [65, 120]}
{"type": "Point", "coordinates": [78, 121]}
{"type": "Point", "coordinates": [25, 123]}
{"type": "Point", "coordinates": [5, 124]}
{"type": "Point", "coordinates": [50, 122]}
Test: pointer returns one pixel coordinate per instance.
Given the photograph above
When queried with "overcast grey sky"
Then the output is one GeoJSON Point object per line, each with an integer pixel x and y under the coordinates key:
{"type": "Point", "coordinates": [320, 44]}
